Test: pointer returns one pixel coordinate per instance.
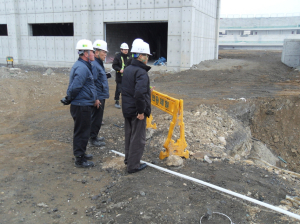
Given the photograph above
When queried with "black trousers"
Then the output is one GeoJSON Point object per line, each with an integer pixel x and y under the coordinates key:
{"type": "Point", "coordinates": [82, 127]}
{"type": "Point", "coordinates": [96, 121]}
{"type": "Point", "coordinates": [135, 139]}
{"type": "Point", "coordinates": [118, 90]}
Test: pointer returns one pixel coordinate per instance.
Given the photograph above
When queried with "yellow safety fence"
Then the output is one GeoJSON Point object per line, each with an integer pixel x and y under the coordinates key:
{"type": "Point", "coordinates": [173, 107]}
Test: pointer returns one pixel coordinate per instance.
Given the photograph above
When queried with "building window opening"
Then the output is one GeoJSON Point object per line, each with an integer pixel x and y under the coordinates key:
{"type": "Point", "coordinates": [52, 29]}
{"type": "Point", "coordinates": [3, 30]}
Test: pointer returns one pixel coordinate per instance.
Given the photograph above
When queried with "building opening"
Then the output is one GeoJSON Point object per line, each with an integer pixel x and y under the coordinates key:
{"type": "Point", "coordinates": [156, 34]}
{"type": "Point", "coordinates": [52, 29]}
{"type": "Point", "coordinates": [3, 30]}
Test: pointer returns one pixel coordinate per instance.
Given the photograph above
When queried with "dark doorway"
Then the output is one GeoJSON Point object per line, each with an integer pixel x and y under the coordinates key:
{"type": "Point", "coordinates": [52, 29]}
{"type": "Point", "coordinates": [156, 34]}
{"type": "Point", "coordinates": [3, 30]}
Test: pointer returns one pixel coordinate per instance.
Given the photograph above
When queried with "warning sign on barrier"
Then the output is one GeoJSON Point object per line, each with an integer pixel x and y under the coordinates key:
{"type": "Point", "coordinates": [173, 107]}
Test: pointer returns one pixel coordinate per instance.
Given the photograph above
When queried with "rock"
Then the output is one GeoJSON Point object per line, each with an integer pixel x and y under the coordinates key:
{"type": "Point", "coordinates": [149, 133]}
{"type": "Point", "coordinates": [168, 183]}
{"type": "Point", "coordinates": [250, 162]}
{"type": "Point", "coordinates": [294, 150]}
{"type": "Point", "coordinates": [276, 138]}
{"type": "Point", "coordinates": [174, 161]}
{"type": "Point", "coordinates": [95, 197]}
{"type": "Point", "coordinates": [142, 193]}
{"type": "Point", "coordinates": [14, 69]}
{"type": "Point", "coordinates": [206, 158]}
{"type": "Point", "coordinates": [49, 71]}
{"type": "Point", "coordinates": [222, 140]}
{"type": "Point", "coordinates": [42, 205]}
{"type": "Point", "coordinates": [199, 155]}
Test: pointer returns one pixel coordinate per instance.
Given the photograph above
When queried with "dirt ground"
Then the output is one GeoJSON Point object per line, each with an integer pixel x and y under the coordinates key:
{"type": "Point", "coordinates": [246, 97]}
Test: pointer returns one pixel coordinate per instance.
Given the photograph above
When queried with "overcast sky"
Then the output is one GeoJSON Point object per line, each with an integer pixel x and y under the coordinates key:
{"type": "Point", "coordinates": [259, 6]}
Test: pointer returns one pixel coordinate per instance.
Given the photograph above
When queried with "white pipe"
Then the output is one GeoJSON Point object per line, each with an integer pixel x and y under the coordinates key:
{"type": "Point", "coordinates": [272, 207]}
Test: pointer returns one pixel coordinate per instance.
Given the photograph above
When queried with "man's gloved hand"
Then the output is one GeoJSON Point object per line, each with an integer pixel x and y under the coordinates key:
{"type": "Point", "coordinates": [108, 75]}
{"type": "Point", "coordinates": [66, 100]}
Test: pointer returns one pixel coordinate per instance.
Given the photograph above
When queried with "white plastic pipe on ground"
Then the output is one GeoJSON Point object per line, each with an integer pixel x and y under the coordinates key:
{"type": "Point", "coordinates": [272, 207]}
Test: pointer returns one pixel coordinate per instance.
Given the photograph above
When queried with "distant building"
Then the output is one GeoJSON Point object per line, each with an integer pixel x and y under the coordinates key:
{"type": "Point", "coordinates": [258, 33]}
{"type": "Point", "coordinates": [45, 32]}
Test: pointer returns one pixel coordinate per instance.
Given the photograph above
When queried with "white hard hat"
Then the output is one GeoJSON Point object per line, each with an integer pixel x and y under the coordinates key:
{"type": "Point", "coordinates": [141, 47]}
{"type": "Point", "coordinates": [124, 46]}
{"type": "Point", "coordinates": [84, 45]}
{"type": "Point", "coordinates": [100, 44]}
{"type": "Point", "coordinates": [138, 40]}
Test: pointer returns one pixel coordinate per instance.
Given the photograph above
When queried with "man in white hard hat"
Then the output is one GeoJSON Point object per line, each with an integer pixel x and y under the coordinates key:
{"type": "Point", "coordinates": [119, 64]}
{"type": "Point", "coordinates": [136, 105]}
{"type": "Point", "coordinates": [82, 94]}
{"type": "Point", "coordinates": [133, 43]}
{"type": "Point", "coordinates": [101, 83]}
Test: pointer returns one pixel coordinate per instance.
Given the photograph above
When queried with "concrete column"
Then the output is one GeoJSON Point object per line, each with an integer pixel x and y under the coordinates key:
{"type": "Point", "coordinates": [216, 56]}
{"type": "Point", "coordinates": [13, 26]}
{"type": "Point", "coordinates": [187, 30]}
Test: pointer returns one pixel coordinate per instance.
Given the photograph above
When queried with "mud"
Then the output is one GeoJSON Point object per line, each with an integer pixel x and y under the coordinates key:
{"type": "Point", "coordinates": [253, 90]}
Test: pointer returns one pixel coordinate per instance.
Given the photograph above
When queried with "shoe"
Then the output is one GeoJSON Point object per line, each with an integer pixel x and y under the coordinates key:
{"type": "Point", "coordinates": [99, 139]}
{"type": "Point", "coordinates": [125, 161]}
{"type": "Point", "coordinates": [81, 162]}
{"type": "Point", "coordinates": [117, 105]}
{"type": "Point", "coordinates": [88, 156]}
{"type": "Point", "coordinates": [142, 166]}
{"type": "Point", "coordinates": [94, 142]}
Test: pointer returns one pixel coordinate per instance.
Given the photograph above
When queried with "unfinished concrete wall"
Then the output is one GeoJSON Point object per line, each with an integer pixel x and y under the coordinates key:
{"type": "Point", "coordinates": [191, 33]}
{"type": "Point", "coordinates": [291, 52]}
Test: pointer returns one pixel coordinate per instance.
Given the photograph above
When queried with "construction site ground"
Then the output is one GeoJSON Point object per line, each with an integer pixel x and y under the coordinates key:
{"type": "Point", "coordinates": [242, 111]}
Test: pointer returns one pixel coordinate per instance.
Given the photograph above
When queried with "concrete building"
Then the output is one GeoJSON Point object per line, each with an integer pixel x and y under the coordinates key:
{"type": "Point", "coordinates": [258, 33]}
{"type": "Point", "coordinates": [45, 32]}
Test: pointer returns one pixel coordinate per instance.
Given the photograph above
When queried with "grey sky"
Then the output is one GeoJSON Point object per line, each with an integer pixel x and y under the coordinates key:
{"type": "Point", "coordinates": [259, 6]}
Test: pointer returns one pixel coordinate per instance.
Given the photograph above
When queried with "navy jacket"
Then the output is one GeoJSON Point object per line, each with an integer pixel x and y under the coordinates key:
{"type": "Point", "coordinates": [100, 79]}
{"type": "Point", "coordinates": [136, 90]}
{"type": "Point", "coordinates": [82, 89]}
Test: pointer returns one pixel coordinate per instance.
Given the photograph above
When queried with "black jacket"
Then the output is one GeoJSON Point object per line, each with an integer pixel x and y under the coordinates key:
{"type": "Point", "coordinates": [117, 65]}
{"type": "Point", "coordinates": [136, 95]}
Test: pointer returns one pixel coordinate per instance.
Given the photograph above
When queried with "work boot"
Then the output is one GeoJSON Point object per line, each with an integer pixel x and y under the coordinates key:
{"type": "Point", "coordinates": [117, 104]}
{"type": "Point", "coordinates": [99, 139]}
{"type": "Point", "coordinates": [81, 162]}
{"type": "Point", "coordinates": [94, 142]}
{"type": "Point", "coordinates": [88, 156]}
{"type": "Point", "coordinates": [141, 167]}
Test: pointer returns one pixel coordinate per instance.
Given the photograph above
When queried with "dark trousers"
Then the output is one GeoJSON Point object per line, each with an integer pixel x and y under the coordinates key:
{"type": "Point", "coordinates": [82, 127]}
{"type": "Point", "coordinates": [118, 90]}
{"type": "Point", "coordinates": [96, 121]}
{"type": "Point", "coordinates": [135, 139]}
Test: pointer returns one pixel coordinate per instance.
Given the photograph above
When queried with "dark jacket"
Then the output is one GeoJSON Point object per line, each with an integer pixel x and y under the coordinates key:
{"type": "Point", "coordinates": [117, 65]}
{"type": "Point", "coordinates": [81, 89]}
{"type": "Point", "coordinates": [136, 90]}
{"type": "Point", "coordinates": [100, 79]}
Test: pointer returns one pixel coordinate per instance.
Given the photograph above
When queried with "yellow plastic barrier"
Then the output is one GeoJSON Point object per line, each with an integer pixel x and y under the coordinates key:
{"type": "Point", "coordinates": [173, 107]}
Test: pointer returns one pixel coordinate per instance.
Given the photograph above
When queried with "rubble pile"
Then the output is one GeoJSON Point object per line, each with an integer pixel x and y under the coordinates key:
{"type": "Point", "coordinates": [209, 130]}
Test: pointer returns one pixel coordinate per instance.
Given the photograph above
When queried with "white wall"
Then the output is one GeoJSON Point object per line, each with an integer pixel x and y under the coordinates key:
{"type": "Point", "coordinates": [191, 27]}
